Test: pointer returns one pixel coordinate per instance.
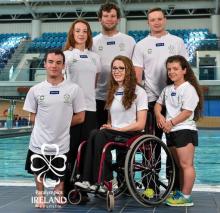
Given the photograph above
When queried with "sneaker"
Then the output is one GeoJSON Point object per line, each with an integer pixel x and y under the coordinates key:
{"type": "Point", "coordinates": [83, 185]}
{"type": "Point", "coordinates": [93, 187]}
{"type": "Point", "coordinates": [101, 189]}
{"type": "Point", "coordinates": [178, 199]}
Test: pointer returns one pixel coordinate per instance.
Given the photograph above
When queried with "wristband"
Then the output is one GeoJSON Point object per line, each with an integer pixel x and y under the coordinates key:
{"type": "Point", "coordinates": [172, 123]}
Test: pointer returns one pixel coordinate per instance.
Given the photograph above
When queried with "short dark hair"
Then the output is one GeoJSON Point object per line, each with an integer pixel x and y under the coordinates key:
{"type": "Point", "coordinates": [56, 51]}
{"type": "Point", "coordinates": [108, 7]}
{"type": "Point", "coordinates": [155, 9]}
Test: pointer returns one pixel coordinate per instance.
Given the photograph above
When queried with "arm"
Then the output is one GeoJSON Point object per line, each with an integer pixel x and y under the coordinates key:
{"type": "Point", "coordinates": [178, 119]}
{"type": "Point", "coordinates": [78, 118]}
{"type": "Point", "coordinates": [109, 123]}
{"type": "Point", "coordinates": [139, 125]}
{"type": "Point", "coordinates": [139, 73]}
{"type": "Point", "coordinates": [32, 117]}
{"type": "Point", "coordinates": [159, 117]}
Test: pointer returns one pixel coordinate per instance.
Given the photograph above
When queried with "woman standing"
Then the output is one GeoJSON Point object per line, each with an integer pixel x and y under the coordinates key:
{"type": "Point", "coordinates": [183, 101]}
{"type": "Point", "coordinates": [82, 67]}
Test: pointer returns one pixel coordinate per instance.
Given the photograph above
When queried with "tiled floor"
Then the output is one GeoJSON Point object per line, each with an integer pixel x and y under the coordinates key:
{"type": "Point", "coordinates": [18, 199]}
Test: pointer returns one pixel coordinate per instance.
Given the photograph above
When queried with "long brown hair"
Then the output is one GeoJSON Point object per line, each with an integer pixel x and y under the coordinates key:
{"type": "Point", "coordinates": [191, 78]}
{"type": "Point", "coordinates": [70, 41]}
{"type": "Point", "coordinates": [129, 84]}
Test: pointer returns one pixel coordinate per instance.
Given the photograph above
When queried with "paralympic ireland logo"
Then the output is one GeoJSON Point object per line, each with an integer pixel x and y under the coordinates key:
{"type": "Point", "coordinates": [48, 165]}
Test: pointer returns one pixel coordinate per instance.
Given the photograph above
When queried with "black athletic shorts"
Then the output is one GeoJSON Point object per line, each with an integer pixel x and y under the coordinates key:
{"type": "Point", "coordinates": [181, 138]}
{"type": "Point", "coordinates": [53, 167]}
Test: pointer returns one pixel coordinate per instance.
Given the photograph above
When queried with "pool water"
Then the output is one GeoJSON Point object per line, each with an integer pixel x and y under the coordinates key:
{"type": "Point", "coordinates": [207, 161]}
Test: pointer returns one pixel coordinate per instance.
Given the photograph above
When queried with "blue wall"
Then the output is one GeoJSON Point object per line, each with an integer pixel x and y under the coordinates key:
{"type": "Point", "coordinates": [211, 108]}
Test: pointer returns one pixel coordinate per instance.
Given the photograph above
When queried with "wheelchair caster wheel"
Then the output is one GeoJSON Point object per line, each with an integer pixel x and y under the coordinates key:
{"type": "Point", "coordinates": [110, 201]}
{"type": "Point", "coordinates": [75, 197]}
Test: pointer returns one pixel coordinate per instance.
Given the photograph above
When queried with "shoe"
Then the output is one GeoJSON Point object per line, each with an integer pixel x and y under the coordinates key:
{"type": "Point", "coordinates": [101, 189]}
{"type": "Point", "coordinates": [178, 199]}
{"type": "Point", "coordinates": [83, 185]}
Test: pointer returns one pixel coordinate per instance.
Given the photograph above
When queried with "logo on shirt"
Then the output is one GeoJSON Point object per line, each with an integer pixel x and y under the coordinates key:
{"type": "Point", "coordinates": [173, 93]}
{"type": "Point", "coordinates": [66, 98]}
{"type": "Point", "coordinates": [121, 46]}
{"type": "Point", "coordinates": [100, 48]}
{"type": "Point", "coordinates": [83, 56]}
{"type": "Point", "coordinates": [41, 99]}
{"type": "Point", "coordinates": [119, 93]}
{"type": "Point", "coordinates": [159, 44]}
{"type": "Point", "coordinates": [74, 60]}
{"type": "Point", "coordinates": [54, 92]}
{"type": "Point", "coordinates": [171, 49]}
{"type": "Point", "coordinates": [149, 51]}
{"type": "Point", "coordinates": [111, 43]}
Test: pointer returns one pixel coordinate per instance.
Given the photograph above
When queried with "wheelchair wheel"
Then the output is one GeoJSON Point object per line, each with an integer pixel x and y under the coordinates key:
{"type": "Point", "coordinates": [147, 176]}
{"type": "Point", "coordinates": [75, 197]}
{"type": "Point", "coordinates": [110, 201]}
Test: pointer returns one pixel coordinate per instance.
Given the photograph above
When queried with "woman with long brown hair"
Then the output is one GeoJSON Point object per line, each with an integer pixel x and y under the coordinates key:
{"type": "Point", "coordinates": [82, 67]}
{"type": "Point", "coordinates": [127, 106]}
{"type": "Point", "coordinates": [183, 100]}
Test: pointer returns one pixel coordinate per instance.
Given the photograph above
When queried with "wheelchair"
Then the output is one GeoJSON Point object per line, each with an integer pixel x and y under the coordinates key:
{"type": "Point", "coordinates": [143, 174]}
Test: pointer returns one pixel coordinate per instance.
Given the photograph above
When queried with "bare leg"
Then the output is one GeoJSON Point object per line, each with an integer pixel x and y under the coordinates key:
{"type": "Point", "coordinates": [59, 190]}
{"type": "Point", "coordinates": [186, 156]}
{"type": "Point", "coordinates": [40, 193]}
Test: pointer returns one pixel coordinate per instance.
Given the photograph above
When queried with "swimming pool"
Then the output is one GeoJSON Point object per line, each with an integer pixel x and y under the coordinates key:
{"type": "Point", "coordinates": [13, 154]}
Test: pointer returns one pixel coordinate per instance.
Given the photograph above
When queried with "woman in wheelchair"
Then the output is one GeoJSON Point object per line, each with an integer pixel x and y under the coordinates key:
{"type": "Point", "coordinates": [127, 104]}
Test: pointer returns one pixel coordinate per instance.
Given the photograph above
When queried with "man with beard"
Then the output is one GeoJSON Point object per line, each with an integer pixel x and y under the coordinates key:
{"type": "Point", "coordinates": [108, 44]}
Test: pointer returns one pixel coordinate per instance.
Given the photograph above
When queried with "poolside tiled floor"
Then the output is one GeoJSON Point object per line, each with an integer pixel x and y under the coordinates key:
{"type": "Point", "coordinates": [17, 199]}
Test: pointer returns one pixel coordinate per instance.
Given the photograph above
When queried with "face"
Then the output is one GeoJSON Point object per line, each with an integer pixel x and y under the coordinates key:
{"type": "Point", "coordinates": [175, 72]}
{"type": "Point", "coordinates": [54, 65]}
{"type": "Point", "coordinates": [80, 33]}
{"type": "Point", "coordinates": [156, 22]}
{"type": "Point", "coordinates": [109, 20]}
{"type": "Point", "coordinates": [118, 71]}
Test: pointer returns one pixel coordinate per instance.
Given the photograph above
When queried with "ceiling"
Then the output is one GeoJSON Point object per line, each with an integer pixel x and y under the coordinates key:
{"type": "Point", "coordinates": [46, 10]}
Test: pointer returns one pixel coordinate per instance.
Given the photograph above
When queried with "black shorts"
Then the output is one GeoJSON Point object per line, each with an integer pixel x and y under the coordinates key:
{"type": "Point", "coordinates": [48, 165]}
{"type": "Point", "coordinates": [181, 138]}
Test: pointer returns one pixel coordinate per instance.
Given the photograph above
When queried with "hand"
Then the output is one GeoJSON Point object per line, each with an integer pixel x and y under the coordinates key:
{"type": "Point", "coordinates": [161, 121]}
{"type": "Point", "coordinates": [106, 126]}
{"type": "Point", "coordinates": [168, 126]}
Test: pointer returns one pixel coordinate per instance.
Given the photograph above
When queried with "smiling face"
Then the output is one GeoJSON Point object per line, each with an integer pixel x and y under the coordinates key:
{"type": "Point", "coordinates": [118, 72]}
{"type": "Point", "coordinates": [54, 65]}
{"type": "Point", "coordinates": [109, 20]}
{"type": "Point", "coordinates": [80, 33]}
{"type": "Point", "coordinates": [176, 73]}
{"type": "Point", "coordinates": [157, 22]}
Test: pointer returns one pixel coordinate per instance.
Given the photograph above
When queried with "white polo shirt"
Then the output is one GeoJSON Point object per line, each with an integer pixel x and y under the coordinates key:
{"type": "Point", "coordinates": [81, 68]}
{"type": "Point", "coordinates": [54, 107]}
{"type": "Point", "coordinates": [151, 54]}
{"type": "Point", "coordinates": [109, 47]}
{"type": "Point", "coordinates": [120, 117]}
{"type": "Point", "coordinates": [183, 97]}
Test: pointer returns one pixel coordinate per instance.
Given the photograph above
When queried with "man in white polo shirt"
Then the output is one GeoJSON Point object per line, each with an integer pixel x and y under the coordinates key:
{"type": "Point", "coordinates": [55, 105]}
{"type": "Point", "coordinates": [149, 59]}
{"type": "Point", "coordinates": [109, 44]}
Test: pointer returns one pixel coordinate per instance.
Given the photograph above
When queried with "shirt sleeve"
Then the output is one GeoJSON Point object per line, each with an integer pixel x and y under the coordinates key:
{"type": "Point", "coordinates": [161, 99]}
{"type": "Point", "coordinates": [137, 58]}
{"type": "Point", "coordinates": [190, 99]}
{"type": "Point", "coordinates": [30, 103]}
{"type": "Point", "coordinates": [182, 50]}
{"type": "Point", "coordinates": [78, 101]}
{"type": "Point", "coordinates": [142, 100]}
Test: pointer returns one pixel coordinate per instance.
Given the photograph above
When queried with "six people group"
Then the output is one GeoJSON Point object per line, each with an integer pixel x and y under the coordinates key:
{"type": "Point", "coordinates": [107, 90]}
